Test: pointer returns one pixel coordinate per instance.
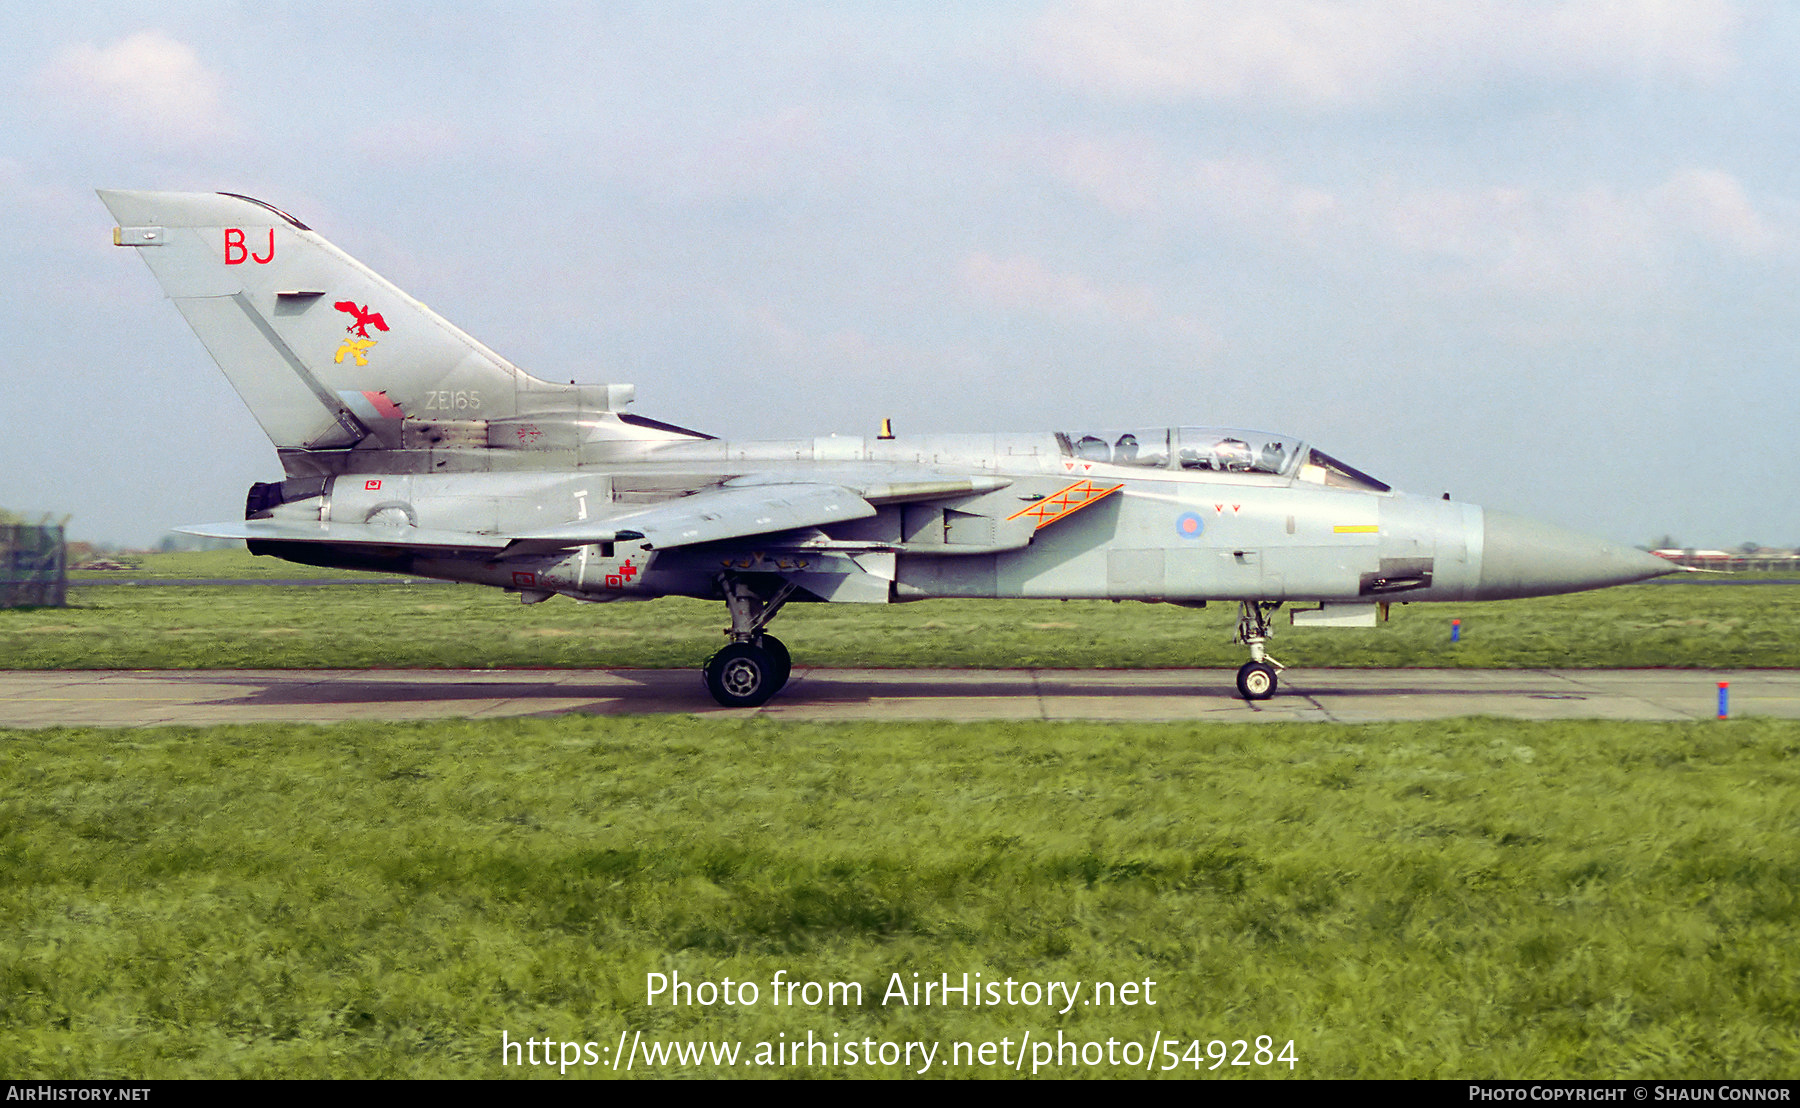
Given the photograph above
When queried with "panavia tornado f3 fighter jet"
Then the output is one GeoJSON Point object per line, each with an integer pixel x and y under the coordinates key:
{"type": "Point", "coordinates": [410, 447]}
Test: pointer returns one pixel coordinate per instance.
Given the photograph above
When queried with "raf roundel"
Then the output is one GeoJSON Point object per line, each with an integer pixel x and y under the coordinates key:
{"type": "Point", "coordinates": [1189, 525]}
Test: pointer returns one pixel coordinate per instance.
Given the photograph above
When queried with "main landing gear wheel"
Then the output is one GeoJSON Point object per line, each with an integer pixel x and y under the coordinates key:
{"type": "Point", "coordinates": [1256, 681]}
{"type": "Point", "coordinates": [754, 666]}
{"type": "Point", "coordinates": [745, 675]}
{"type": "Point", "coordinates": [784, 662]}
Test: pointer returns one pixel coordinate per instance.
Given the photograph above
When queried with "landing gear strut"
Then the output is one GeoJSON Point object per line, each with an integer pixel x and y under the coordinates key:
{"type": "Point", "coordinates": [1256, 678]}
{"type": "Point", "coordinates": [754, 666]}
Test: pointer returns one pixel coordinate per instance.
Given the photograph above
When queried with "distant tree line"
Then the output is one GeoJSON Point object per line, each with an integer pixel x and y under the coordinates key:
{"type": "Point", "coordinates": [1747, 549]}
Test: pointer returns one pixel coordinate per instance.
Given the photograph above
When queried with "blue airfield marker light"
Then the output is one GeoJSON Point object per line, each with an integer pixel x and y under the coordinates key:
{"type": "Point", "coordinates": [1724, 699]}
{"type": "Point", "coordinates": [1456, 630]}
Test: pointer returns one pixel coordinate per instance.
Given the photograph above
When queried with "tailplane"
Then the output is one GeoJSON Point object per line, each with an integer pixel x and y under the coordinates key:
{"type": "Point", "coordinates": [326, 353]}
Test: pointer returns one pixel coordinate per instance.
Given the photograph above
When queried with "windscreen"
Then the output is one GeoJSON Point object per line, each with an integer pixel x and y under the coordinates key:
{"type": "Point", "coordinates": [1321, 468]}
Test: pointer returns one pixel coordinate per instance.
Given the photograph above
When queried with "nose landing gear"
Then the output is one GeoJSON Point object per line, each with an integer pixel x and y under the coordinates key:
{"type": "Point", "coordinates": [1256, 678]}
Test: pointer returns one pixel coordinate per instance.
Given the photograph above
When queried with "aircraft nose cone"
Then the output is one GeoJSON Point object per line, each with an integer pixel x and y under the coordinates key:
{"type": "Point", "coordinates": [1522, 557]}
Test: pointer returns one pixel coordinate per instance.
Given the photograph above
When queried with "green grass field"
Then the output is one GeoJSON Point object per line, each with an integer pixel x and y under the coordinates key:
{"type": "Point", "coordinates": [186, 565]}
{"type": "Point", "coordinates": [460, 626]}
{"type": "Point", "coordinates": [1462, 899]}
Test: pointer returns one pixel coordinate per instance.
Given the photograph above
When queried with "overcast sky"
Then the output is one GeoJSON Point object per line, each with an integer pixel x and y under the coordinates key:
{"type": "Point", "coordinates": [1541, 256]}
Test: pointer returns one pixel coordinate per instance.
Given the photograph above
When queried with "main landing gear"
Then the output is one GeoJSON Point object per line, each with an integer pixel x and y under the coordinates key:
{"type": "Point", "coordinates": [1256, 678]}
{"type": "Point", "coordinates": [754, 666]}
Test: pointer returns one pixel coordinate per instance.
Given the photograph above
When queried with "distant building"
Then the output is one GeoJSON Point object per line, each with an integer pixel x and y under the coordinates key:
{"type": "Point", "coordinates": [33, 566]}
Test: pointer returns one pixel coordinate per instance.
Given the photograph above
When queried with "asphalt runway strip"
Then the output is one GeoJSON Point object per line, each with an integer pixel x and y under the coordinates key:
{"type": "Point", "coordinates": [101, 698]}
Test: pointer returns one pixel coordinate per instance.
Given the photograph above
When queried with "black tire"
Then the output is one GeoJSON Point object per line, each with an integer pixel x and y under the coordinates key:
{"type": "Point", "coordinates": [1256, 681]}
{"type": "Point", "coordinates": [741, 676]}
{"type": "Point", "coordinates": [784, 662]}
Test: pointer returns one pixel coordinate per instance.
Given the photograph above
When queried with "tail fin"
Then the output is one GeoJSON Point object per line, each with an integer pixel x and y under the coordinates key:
{"type": "Point", "coordinates": [325, 353]}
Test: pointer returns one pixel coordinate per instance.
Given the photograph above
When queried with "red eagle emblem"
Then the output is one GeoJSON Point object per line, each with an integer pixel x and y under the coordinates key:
{"type": "Point", "coordinates": [363, 316]}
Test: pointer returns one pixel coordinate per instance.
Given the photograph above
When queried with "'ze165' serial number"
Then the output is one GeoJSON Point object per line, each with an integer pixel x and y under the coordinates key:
{"type": "Point", "coordinates": [459, 400]}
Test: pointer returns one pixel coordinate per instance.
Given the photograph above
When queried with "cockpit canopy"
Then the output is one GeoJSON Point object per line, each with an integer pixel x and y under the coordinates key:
{"type": "Point", "coordinates": [1217, 450]}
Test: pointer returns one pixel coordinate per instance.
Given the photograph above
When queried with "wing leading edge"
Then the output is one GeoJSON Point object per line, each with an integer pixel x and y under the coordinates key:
{"type": "Point", "coordinates": [709, 516]}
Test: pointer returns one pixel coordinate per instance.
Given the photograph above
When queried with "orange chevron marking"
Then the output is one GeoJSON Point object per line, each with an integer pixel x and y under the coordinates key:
{"type": "Point", "coordinates": [1066, 502]}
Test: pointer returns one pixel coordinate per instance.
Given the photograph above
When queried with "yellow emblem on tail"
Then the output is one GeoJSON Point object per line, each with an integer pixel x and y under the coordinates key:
{"type": "Point", "coordinates": [356, 348]}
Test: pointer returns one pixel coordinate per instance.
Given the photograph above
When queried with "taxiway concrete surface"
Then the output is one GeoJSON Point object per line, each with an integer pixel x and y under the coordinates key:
{"type": "Point", "coordinates": [203, 697]}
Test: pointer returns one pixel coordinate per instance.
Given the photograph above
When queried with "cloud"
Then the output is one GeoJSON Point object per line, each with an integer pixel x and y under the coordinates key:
{"type": "Point", "coordinates": [1024, 283]}
{"type": "Point", "coordinates": [148, 83]}
{"type": "Point", "coordinates": [1134, 177]}
{"type": "Point", "coordinates": [411, 140]}
{"type": "Point", "coordinates": [1511, 236]}
{"type": "Point", "coordinates": [1710, 205]}
{"type": "Point", "coordinates": [1251, 194]}
{"type": "Point", "coordinates": [20, 191]}
{"type": "Point", "coordinates": [1586, 240]}
{"type": "Point", "coordinates": [1019, 283]}
{"type": "Point", "coordinates": [1127, 176]}
{"type": "Point", "coordinates": [816, 362]}
{"type": "Point", "coordinates": [1329, 55]}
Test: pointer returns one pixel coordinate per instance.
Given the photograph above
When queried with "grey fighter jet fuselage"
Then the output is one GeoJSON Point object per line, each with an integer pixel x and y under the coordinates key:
{"type": "Point", "coordinates": [410, 447]}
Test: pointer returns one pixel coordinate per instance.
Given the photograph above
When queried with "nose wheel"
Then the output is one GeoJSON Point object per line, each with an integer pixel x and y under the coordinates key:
{"type": "Point", "coordinates": [1256, 678]}
{"type": "Point", "coordinates": [1256, 681]}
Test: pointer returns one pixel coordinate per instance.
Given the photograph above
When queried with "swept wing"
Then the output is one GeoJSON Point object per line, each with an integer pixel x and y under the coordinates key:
{"type": "Point", "coordinates": [711, 515]}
